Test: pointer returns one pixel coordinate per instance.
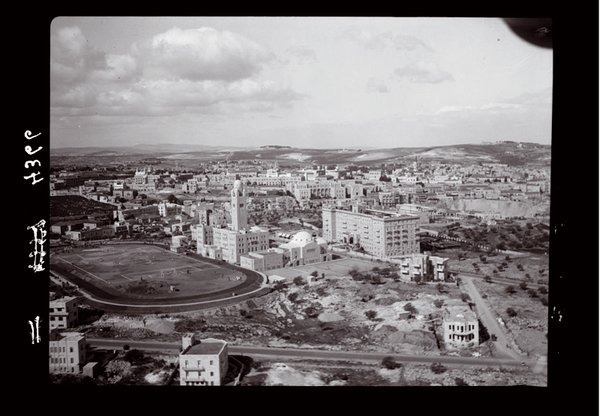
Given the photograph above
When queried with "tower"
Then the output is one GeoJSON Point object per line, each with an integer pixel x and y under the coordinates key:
{"type": "Point", "coordinates": [239, 213]}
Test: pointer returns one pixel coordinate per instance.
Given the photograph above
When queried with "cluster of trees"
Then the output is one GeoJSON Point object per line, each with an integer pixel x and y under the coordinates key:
{"type": "Point", "coordinates": [375, 277]}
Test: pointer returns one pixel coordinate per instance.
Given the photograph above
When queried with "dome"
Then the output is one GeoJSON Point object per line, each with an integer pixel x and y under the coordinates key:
{"type": "Point", "coordinates": [302, 237]}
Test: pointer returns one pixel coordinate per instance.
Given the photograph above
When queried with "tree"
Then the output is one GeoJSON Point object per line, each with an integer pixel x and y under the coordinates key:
{"type": "Point", "coordinates": [511, 312]}
{"type": "Point", "coordinates": [510, 289]}
{"type": "Point", "coordinates": [299, 281]}
{"type": "Point", "coordinates": [418, 279]}
{"type": "Point", "coordinates": [315, 274]}
{"type": "Point", "coordinates": [523, 285]}
{"type": "Point", "coordinates": [293, 296]}
{"type": "Point", "coordinates": [488, 279]}
{"type": "Point", "coordinates": [438, 368]}
{"type": "Point", "coordinates": [441, 288]}
{"type": "Point", "coordinates": [134, 356]}
{"type": "Point", "coordinates": [543, 290]}
{"type": "Point", "coordinates": [544, 300]}
{"type": "Point", "coordinates": [279, 286]}
{"type": "Point", "coordinates": [532, 293]}
{"type": "Point", "coordinates": [460, 382]}
{"type": "Point", "coordinates": [390, 363]}
{"type": "Point", "coordinates": [465, 297]}
{"type": "Point", "coordinates": [438, 303]}
{"type": "Point", "coordinates": [371, 314]}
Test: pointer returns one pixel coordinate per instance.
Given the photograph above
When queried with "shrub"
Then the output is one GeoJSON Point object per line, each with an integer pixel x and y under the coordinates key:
{"type": "Point", "coordinates": [510, 289]}
{"type": "Point", "coordinates": [523, 285]}
{"type": "Point", "coordinates": [311, 312]}
{"type": "Point", "coordinates": [511, 312]}
{"type": "Point", "coordinates": [134, 356]}
{"type": "Point", "coordinates": [438, 303]}
{"type": "Point", "coordinates": [487, 279]}
{"type": "Point", "coordinates": [465, 297]}
{"type": "Point", "coordinates": [371, 314]}
{"type": "Point", "coordinates": [543, 290]}
{"type": "Point", "coordinates": [299, 281]}
{"type": "Point", "coordinates": [390, 363]}
{"type": "Point", "coordinates": [544, 300]}
{"type": "Point", "coordinates": [460, 382]}
{"type": "Point", "coordinates": [441, 288]}
{"type": "Point", "coordinates": [293, 296]}
{"type": "Point", "coordinates": [532, 293]}
{"type": "Point", "coordinates": [315, 273]}
{"type": "Point", "coordinates": [279, 286]}
{"type": "Point", "coordinates": [410, 308]}
{"type": "Point", "coordinates": [438, 368]}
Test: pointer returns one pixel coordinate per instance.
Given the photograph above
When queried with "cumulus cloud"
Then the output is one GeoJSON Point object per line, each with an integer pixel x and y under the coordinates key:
{"type": "Point", "coordinates": [423, 73]}
{"type": "Point", "coordinates": [202, 54]}
{"type": "Point", "coordinates": [193, 70]}
{"type": "Point", "coordinates": [377, 85]}
{"type": "Point", "coordinates": [385, 40]}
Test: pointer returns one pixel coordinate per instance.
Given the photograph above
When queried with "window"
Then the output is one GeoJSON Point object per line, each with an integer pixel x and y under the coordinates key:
{"type": "Point", "coordinates": [212, 373]}
{"type": "Point", "coordinates": [71, 360]}
{"type": "Point", "coordinates": [211, 362]}
{"type": "Point", "coordinates": [70, 349]}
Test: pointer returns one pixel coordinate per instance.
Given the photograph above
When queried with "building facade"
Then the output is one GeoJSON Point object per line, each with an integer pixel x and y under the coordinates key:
{"type": "Point", "coordinates": [380, 233]}
{"type": "Point", "coordinates": [461, 327]}
{"type": "Point", "coordinates": [202, 363]}
{"type": "Point", "coordinates": [425, 266]}
{"type": "Point", "coordinates": [67, 352]}
{"type": "Point", "coordinates": [63, 312]}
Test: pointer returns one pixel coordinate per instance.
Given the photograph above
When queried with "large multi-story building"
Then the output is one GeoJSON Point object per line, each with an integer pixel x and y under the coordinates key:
{"type": "Point", "coordinates": [263, 261]}
{"type": "Point", "coordinates": [202, 363]}
{"type": "Point", "coordinates": [63, 312]}
{"type": "Point", "coordinates": [461, 327]}
{"type": "Point", "coordinates": [67, 352]}
{"type": "Point", "coordinates": [382, 234]}
{"type": "Point", "coordinates": [230, 243]}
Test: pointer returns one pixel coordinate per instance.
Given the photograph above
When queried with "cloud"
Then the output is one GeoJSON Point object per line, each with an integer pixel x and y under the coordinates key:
{"type": "Point", "coordinates": [195, 71]}
{"type": "Point", "coordinates": [202, 54]}
{"type": "Point", "coordinates": [385, 40]}
{"type": "Point", "coordinates": [301, 54]}
{"type": "Point", "coordinates": [377, 85]}
{"type": "Point", "coordinates": [423, 73]}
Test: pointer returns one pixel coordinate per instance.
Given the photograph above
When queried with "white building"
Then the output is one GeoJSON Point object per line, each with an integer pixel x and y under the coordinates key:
{"type": "Point", "coordinates": [67, 352]}
{"type": "Point", "coordinates": [202, 363]}
{"type": "Point", "coordinates": [382, 234]}
{"type": "Point", "coordinates": [263, 261]}
{"type": "Point", "coordinates": [461, 327]}
{"type": "Point", "coordinates": [304, 249]}
{"type": "Point", "coordinates": [63, 312]}
{"type": "Point", "coordinates": [425, 266]}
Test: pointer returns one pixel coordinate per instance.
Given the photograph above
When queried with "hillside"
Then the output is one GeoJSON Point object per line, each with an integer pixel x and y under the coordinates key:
{"type": "Point", "coordinates": [71, 205]}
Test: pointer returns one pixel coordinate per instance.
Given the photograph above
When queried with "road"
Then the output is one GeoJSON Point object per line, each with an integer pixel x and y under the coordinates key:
{"type": "Point", "coordinates": [489, 319]}
{"type": "Point", "coordinates": [282, 353]}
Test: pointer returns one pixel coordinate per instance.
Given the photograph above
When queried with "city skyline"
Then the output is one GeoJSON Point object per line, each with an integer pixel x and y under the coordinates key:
{"type": "Point", "coordinates": [301, 82]}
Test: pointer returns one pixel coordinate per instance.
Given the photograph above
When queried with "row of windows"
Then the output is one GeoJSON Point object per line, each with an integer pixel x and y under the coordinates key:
{"type": "Point", "coordinates": [199, 363]}
{"type": "Point", "coordinates": [60, 360]}
{"type": "Point", "coordinates": [468, 327]}
{"type": "Point", "coordinates": [60, 349]}
{"type": "Point", "coordinates": [198, 383]}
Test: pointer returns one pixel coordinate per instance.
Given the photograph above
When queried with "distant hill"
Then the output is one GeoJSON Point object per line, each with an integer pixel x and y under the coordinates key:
{"type": "Point", "coordinates": [72, 205]}
{"type": "Point", "coordinates": [511, 153]}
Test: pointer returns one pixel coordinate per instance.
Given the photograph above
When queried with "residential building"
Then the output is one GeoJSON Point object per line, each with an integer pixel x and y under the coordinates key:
{"type": "Point", "coordinates": [382, 234]}
{"type": "Point", "coordinates": [67, 352]}
{"type": "Point", "coordinates": [64, 312]}
{"type": "Point", "coordinates": [461, 327]}
{"type": "Point", "coordinates": [425, 266]}
{"type": "Point", "coordinates": [202, 363]}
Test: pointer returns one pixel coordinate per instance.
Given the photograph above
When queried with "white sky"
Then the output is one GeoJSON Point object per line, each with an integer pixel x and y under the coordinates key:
{"type": "Point", "coordinates": [306, 82]}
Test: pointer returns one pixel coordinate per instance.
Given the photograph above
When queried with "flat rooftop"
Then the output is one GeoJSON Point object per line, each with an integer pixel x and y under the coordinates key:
{"type": "Point", "coordinates": [206, 348]}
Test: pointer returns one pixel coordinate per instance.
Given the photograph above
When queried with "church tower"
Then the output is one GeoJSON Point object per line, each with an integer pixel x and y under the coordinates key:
{"type": "Point", "coordinates": [239, 213]}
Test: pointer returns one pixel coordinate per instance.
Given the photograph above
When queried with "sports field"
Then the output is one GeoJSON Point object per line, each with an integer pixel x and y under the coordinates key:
{"type": "Point", "coordinates": [147, 271]}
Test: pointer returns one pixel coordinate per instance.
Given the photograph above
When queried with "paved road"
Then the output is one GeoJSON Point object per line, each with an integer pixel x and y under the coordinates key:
{"type": "Point", "coordinates": [490, 320]}
{"type": "Point", "coordinates": [278, 353]}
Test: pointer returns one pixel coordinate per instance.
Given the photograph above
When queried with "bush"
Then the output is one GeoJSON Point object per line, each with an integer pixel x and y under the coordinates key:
{"type": "Point", "coordinates": [460, 382]}
{"type": "Point", "coordinates": [299, 281]}
{"type": "Point", "coordinates": [293, 296]}
{"type": "Point", "coordinates": [532, 293]}
{"type": "Point", "coordinates": [523, 285]}
{"type": "Point", "coordinates": [315, 273]}
{"type": "Point", "coordinates": [510, 289]}
{"type": "Point", "coordinates": [410, 308]}
{"type": "Point", "coordinates": [134, 356]}
{"type": "Point", "coordinates": [370, 314]}
{"type": "Point", "coordinates": [511, 312]}
{"type": "Point", "coordinates": [438, 303]}
{"type": "Point", "coordinates": [441, 288]}
{"type": "Point", "coordinates": [438, 368]}
{"type": "Point", "coordinates": [279, 286]}
{"type": "Point", "coordinates": [487, 279]}
{"type": "Point", "coordinates": [390, 363]}
{"type": "Point", "coordinates": [465, 297]}
{"type": "Point", "coordinates": [311, 312]}
{"type": "Point", "coordinates": [544, 300]}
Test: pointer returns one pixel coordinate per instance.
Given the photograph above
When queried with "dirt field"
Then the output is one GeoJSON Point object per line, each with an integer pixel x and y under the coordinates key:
{"type": "Point", "coordinates": [147, 270]}
{"type": "Point", "coordinates": [530, 326]}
